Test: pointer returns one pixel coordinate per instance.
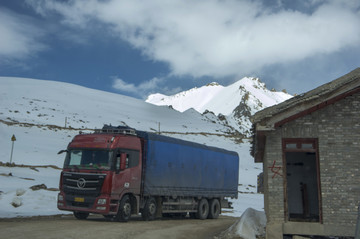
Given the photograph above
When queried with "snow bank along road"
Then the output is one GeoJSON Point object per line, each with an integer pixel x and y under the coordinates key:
{"type": "Point", "coordinates": [97, 227]}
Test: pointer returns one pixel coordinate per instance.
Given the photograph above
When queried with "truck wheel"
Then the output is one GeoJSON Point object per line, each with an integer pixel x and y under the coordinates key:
{"type": "Point", "coordinates": [81, 215]}
{"type": "Point", "coordinates": [149, 211]}
{"type": "Point", "coordinates": [203, 209]}
{"type": "Point", "coordinates": [124, 212]}
{"type": "Point", "coordinates": [214, 210]}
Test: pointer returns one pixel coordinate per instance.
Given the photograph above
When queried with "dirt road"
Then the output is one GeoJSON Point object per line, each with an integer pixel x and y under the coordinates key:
{"type": "Point", "coordinates": [97, 227]}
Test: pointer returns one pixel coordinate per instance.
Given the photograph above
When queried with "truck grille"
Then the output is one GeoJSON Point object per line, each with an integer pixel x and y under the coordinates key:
{"type": "Point", "coordinates": [81, 189]}
{"type": "Point", "coordinates": [83, 184]}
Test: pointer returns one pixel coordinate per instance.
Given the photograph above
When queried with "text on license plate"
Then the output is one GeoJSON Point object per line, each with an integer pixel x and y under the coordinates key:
{"type": "Point", "coordinates": [79, 199]}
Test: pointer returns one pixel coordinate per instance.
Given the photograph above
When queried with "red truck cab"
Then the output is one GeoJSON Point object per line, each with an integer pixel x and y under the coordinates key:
{"type": "Point", "coordinates": [98, 170]}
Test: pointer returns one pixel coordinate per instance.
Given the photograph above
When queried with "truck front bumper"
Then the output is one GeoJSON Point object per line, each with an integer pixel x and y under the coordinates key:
{"type": "Point", "coordinates": [100, 205]}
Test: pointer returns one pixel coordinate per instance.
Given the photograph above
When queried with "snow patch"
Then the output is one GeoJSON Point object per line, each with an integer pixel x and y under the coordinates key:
{"type": "Point", "coordinates": [251, 225]}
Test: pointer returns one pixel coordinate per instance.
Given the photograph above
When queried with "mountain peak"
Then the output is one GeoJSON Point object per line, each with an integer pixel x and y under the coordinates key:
{"type": "Point", "coordinates": [222, 99]}
{"type": "Point", "coordinates": [236, 102]}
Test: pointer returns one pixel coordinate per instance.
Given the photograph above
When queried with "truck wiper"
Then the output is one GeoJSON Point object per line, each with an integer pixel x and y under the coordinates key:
{"type": "Point", "coordinates": [96, 167]}
{"type": "Point", "coordinates": [75, 167]}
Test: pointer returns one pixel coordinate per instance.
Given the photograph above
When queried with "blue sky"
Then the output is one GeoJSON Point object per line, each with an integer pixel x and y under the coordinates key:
{"type": "Point", "coordinates": [140, 47]}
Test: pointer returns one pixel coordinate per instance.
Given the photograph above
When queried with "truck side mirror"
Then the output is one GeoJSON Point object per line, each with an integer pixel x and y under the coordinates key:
{"type": "Point", "coordinates": [123, 157]}
{"type": "Point", "coordinates": [62, 151]}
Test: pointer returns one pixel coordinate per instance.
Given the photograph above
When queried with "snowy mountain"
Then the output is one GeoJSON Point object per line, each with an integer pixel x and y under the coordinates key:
{"type": "Point", "coordinates": [45, 115]}
{"type": "Point", "coordinates": [234, 103]}
{"type": "Point", "coordinates": [222, 99]}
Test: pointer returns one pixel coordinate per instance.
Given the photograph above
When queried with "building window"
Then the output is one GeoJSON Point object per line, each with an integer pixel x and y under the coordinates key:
{"type": "Point", "coordinates": [291, 146]}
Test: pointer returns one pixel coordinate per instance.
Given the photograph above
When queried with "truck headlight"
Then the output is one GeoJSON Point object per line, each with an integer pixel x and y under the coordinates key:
{"type": "Point", "coordinates": [101, 201]}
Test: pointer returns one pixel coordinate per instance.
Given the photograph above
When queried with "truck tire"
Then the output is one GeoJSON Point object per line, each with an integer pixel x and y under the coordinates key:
{"type": "Point", "coordinates": [214, 209]}
{"type": "Point", "coordinates": [203, 209]}
{"type": "Point", "coordinates": [81, 215]}
{"type": "Point", "coordinates": [124, 212]}
{"type": "Point", "coordinates": [149, 211]}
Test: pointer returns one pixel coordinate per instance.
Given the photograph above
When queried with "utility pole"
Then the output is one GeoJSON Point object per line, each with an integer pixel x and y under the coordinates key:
{"type": "Point", "coordinates": [13, 139]}
{"type": "Point", "coordinates": [159, 128]}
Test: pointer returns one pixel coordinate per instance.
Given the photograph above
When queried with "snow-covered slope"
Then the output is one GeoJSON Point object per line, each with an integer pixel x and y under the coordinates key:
{"type": "Point", "coordinates": [237, 102]}
{"type": "Point", "coordinates": [36, 111]}
{"type": "Point", "coordinates": [49, 102]}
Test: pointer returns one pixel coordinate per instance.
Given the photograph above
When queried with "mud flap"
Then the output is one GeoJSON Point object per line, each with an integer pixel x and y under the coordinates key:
{"type": "Point", "coordinates": [226, 204]}
{"type": "Point", "coordinates": [159, 207]}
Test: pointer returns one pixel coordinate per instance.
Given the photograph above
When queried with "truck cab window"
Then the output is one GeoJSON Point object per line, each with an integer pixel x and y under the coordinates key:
{"type": "Point", "coordinates": [75, 157]}
{"type": "Point", "coordinates": [88, 158]}
{"type": "Point", "coordinates": [132, 158]}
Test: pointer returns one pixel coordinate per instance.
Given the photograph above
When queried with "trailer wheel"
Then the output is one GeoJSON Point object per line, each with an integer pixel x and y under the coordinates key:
{"type": "Point", "coordinates": [149, 211]}
{"type": "Point", "coordinates": [215, 209]}
{"type": "Point", "coordinates": [203, 209]}
{"type": "Point", "coordinates": [124, 212]}
{"type": "Point", "coordinates": [81, 215]}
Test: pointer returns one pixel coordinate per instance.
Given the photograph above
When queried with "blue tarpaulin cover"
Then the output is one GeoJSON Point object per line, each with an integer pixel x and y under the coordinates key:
{"type": "Point", "coordinates": [176, 167]}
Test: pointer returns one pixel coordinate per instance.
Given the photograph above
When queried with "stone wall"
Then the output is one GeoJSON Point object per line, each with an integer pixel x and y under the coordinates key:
{"type": "Point", "coordinates": [337, 128]}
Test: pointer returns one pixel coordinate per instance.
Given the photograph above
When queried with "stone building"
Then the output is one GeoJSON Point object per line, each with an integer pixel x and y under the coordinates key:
{"type": "Point", "coordinates": [310, 149]}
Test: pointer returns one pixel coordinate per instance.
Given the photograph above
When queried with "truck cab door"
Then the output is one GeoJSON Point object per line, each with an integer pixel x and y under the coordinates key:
{"type": "Point", "coordinates": [128, 171]}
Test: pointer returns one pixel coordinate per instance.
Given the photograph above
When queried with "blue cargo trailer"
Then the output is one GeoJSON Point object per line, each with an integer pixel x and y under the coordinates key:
{"type": "Point", "coordinates": [181, 177]}
{"type": "Point", "coordinates": [175, 167]}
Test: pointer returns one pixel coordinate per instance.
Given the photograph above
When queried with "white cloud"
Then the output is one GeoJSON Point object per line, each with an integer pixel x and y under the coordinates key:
{"type": "Point", "coordinates": [143, 88]}
{"type": "Point", "coordinates": [218, 38]}
{"type": "Point", "coordinates": [154, 85]}
{"type": "Point", "coordinates": [19, 37]}
{"type": "Point", "coordinates": [121, 85]}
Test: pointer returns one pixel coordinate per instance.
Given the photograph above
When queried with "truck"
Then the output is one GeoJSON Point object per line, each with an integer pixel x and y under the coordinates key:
{"type": "Point", "coordinates": [119, 172]}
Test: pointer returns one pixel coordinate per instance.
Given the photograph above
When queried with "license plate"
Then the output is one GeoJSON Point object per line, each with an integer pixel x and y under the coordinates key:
{"type": "Point", "coordinates": [79, 199]}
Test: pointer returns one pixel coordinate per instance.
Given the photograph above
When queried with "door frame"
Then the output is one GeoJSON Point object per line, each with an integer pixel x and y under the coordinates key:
{"type": "Point", "coordinates": [302, 145]}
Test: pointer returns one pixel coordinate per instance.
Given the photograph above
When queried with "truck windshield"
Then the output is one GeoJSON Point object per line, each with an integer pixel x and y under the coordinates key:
{"type": "Point", "coordinates": [88, 158]}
